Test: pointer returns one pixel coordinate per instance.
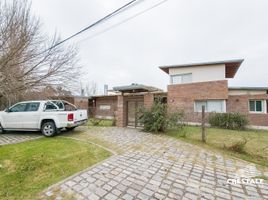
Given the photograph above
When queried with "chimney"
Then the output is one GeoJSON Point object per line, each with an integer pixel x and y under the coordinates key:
{"type": "Point", "coordinates": [105, 89]}
{"type": "Point", "coordinates": [82, 92]}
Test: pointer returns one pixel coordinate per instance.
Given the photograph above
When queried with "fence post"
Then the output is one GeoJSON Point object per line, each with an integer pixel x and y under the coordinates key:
{"type": "Point", "coordinates": [203, 125]}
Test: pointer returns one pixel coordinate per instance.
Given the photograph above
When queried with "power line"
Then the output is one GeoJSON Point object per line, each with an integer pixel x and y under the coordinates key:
{"type": "Point", "coordinates": [124, 21]}
{"type": "Point", "coordinates": [103, 19]}
{"type": "Point", "coordinates": [117, 11]}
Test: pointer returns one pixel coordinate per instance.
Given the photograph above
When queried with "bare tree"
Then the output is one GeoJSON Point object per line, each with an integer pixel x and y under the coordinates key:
{"type": "Point", "coordinates": [91, 88]}
{"type": "Point", "coordinates": [27, 61]}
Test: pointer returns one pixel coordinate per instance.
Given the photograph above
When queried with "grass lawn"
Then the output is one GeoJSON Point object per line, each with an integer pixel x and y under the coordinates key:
{"type": "Point", "coordinates": [30, 167]}
{"type": "Point", "coordinates": [256, 149]}
{"type": "Point", "coordinates": [100, 122]}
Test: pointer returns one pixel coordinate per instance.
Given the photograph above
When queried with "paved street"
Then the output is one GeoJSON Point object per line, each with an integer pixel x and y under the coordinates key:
{"type": "Point", "coordinates": [157, 167]}
{"type": "Point", "coordinates": [12, 138]}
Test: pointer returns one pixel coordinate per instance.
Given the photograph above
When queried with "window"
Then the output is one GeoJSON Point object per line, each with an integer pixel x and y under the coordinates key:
{"type": "Point", "coordinates": [257, 106]}
{"type": "Point", "coordinates": [50, 106]}
{"type": "Point", "coordinates": [18, 108]}
{"type": "Point", "coordinates": [210, 106]}
{"type": "Point", "coordinates": [32, 107]}
{"type": "Point", "coordinates": [105, 107]}
{"type": "Point", "coordinates": [181, 78]}
{"type": "Point", "coordinates": [199, 104]}
{"type": "Point", "coordinates": [59, 104]}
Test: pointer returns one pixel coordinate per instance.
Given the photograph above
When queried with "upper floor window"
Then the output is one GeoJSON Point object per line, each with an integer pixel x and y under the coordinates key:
{"type": "Point", "coordinates": [181, 78]}
{"type": "Point", "coordinates": [257, 106]}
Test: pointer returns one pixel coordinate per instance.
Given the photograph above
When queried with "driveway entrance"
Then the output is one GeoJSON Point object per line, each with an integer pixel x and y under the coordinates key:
{"type": "Point", "coordinates": [152, 166]}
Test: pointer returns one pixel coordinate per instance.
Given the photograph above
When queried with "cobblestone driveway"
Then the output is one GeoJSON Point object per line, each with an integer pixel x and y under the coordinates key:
{"type": "Point", "coordinates": [157, 167]}
{"type": "Point", "coordinates": [12, 138]}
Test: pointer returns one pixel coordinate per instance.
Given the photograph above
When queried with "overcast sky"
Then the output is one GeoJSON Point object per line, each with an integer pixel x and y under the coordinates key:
{"type": "Point", "coordinates": [176, 32]}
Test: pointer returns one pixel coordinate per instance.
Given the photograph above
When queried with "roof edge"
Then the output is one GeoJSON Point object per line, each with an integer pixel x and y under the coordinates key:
{"type": "Point", "coordinates": [167, 67]}
{"type": "Point", "coordinates": [247, 88]}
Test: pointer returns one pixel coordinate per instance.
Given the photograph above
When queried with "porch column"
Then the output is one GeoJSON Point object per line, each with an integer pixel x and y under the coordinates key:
{"type": "Point", "coordinates": [121, 112]}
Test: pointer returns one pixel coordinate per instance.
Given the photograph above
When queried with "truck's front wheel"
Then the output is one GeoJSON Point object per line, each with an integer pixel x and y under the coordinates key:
{"type": "Point", "coordinates": [2, 131]}
{"type": "Point", "coordinates": [49, 129]}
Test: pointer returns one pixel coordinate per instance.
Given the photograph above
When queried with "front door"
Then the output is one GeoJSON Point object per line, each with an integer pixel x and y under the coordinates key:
{"type": "Point", "coordinates": [133, 113]}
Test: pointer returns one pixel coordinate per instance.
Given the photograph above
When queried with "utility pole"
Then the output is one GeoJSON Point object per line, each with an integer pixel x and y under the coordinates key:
{"type": "Point", "coordinates": [203, 125]}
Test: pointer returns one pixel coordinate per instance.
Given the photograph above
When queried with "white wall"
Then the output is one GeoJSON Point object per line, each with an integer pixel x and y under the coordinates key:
{"type": "Point", "coordinates": [246, 92]}
{"type": "Point", "coordinates": [201, 73]}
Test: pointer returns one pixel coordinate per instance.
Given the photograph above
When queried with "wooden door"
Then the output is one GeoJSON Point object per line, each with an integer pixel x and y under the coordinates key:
{"type": "Point", "coordinates": [133, 113]}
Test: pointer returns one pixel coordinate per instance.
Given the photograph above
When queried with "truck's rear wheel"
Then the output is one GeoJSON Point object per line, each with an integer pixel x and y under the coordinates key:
{"type": "Point", "coordinates": [49, 129]}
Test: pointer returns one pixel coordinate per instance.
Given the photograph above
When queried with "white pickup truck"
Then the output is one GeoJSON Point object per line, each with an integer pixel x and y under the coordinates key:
{"type": "Point", "coordinates": [48, 116]}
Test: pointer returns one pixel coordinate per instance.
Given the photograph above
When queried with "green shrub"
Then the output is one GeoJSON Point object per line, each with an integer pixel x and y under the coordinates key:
{"type": "Point", "coordinates": [156, 119]}
{"type": "Point", "coordinates": [233, 121]}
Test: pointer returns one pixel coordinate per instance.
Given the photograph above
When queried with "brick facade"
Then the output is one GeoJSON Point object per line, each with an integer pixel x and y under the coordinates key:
{"type": "Point", "coordinates": [240, 104]}
{"type": "Point", "coordinates": [105, 107]}
{"type": "Point", "coordinates": [181, 97]}
{"type": "Point", "coordinates": [119, 106]}
{"type": "Point", "coordinates": [148, 100]}
{"type": "Point", "coordinates": [121, 111]}
{"type": "Point", "coordinates": [81, 102]}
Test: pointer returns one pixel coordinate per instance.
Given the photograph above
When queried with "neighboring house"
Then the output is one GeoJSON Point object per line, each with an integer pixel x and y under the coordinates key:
{"type": "Point", "coordinates": [194, 85]}
{"type": "Point", "coordinates": [191, 86]}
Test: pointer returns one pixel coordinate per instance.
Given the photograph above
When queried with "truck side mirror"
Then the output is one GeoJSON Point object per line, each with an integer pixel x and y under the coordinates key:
{"type": "Point", "coordinates": [7, 110]}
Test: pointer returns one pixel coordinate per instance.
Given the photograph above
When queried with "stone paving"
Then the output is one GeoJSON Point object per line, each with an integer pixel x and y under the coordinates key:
{"type": "Point", "coordinates": [12, 138]}
{"type": "Point", "coordinates": [157, 167]}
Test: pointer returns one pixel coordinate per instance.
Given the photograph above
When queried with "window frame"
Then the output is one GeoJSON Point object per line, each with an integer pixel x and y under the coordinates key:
{"type": "Point", "coordinates": [181, 75]}
{"type": "Point", "coordinates": [263, 106]}
{"type": "Point", "coordinates": [38, 107]}
{"type": "Point", "coordinates": [50, 110]}
{"type": "Point", "coordinates": [56, 102]}
{"type": "Point", "coordinates": [10, 109]}
{"type": "Point", "coordinates": [223, 106]}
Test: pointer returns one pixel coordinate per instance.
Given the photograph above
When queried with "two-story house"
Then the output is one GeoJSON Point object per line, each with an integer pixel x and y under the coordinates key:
{"type": "Point", "coordinates": [191, 86]}
{"type": "Point", "coordinates": [194, 85]}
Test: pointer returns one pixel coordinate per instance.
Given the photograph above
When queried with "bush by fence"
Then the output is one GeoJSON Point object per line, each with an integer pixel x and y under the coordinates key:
{"type": "Point", "coordinates": [157, 119]}
{"type": "Point", "coordinates": [233, 121]}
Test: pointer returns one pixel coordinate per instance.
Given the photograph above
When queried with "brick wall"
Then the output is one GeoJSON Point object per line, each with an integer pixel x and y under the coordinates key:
{"type": "Point", "coordinates": [105, 101]}
{"type": "Point", "coordinates": [121, 112]}
{"type": "Point", "coordinates": [81, 102]}
{"type": "Point", "coordinates": [183, 96]}
{"type": "Point", "coordinates": [240, 104]}
{"type": "Point", "coordinates": [148, 100]}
